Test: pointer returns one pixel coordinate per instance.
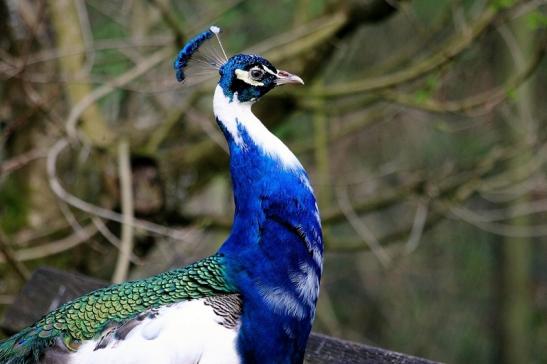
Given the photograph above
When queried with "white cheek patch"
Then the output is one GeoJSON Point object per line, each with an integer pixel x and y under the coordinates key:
{"type": "Point", "coordinates": [244, 76]}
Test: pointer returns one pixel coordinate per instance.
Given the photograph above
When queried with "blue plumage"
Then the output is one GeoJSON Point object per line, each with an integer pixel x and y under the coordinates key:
{"type": "Point", "coordinates": [274, 252]}
{"type": "Point", "coordinates": [252, 302]}
{"type": "Point", "coordinates": [188, 50]}
{"type": "Point", "coordinates": [231, 84]}
{"type": "Point", "coordinates": [273, 242]}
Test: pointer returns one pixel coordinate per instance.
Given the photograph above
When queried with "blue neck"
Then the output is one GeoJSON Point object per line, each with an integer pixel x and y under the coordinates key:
{"type": "Point", "coordinates": [274, 251]}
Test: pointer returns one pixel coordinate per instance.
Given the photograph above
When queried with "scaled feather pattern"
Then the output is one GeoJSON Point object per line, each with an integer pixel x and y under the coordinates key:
{"type": "Point", "coordinates": [85, 317]}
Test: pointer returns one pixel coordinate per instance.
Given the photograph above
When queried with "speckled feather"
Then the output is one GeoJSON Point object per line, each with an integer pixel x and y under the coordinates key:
{"type": "Point", "coordinates": [86, 317]}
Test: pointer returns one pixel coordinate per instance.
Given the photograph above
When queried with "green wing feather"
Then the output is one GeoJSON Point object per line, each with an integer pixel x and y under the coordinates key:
{"type": "Point", "coordinates": [85, 317]}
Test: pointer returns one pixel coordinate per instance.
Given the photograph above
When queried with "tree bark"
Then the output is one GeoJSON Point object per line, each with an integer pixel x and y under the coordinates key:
{"type": "Point", "coordinates": [66, 23]}
{"type": "Point", "coordinates": [516, 254]}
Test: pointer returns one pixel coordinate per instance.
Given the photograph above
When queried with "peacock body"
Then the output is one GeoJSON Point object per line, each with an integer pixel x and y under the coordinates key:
{"type": "Point", "coordinates": [252, 302]}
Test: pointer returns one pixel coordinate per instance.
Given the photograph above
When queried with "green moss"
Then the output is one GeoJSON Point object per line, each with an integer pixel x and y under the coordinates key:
{"type": "Point", "coordinates": [13, 205]}
{"type": "Point", "coordinates": [429, 11]}
{"type": "Point", "coordinates": [502, 4]}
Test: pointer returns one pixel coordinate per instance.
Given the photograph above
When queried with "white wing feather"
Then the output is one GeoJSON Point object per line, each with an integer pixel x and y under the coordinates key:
{"type": "Point", "coordinates": [185, 333]}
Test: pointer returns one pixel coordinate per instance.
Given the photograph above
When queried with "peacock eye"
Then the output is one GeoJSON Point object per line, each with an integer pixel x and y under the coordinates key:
{"type": "Point", "coordinates": [256, 74]}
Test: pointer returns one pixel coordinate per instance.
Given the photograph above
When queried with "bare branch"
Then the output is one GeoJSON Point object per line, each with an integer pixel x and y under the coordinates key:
{"type": "Point", "coordinates": [170, 19]}
{"type": "Point", "coordinates": [450, 50]}
{"type": "Point", "coordinates": [12, 259]}
{"type": "Point", "coordinates": [418, 225]}
{"type": "Point", "coordinates": [55, 247]}
{"type": "Point", "coordinates": [173, 116]}
{"type": "Point", "coordinates": [110, 86]}
{"type": "Point", "coordinates": [112, 239]}
{"type": "Point", "coordinates": [361, 229]}
{"type": "Point", "coordinates": [70, 218]}
{"type": "Point", "coordinates": [455, 189]}
{"type": "Point", "coordinates": [378, 202]}
{"type": "Point", "coordinates": [207, 126]}
{"type": "Point", "coordinates": [126, 245]}
{"type": "Point", "coordinates": [302, 39]}
{"type": "Point", "coordinates": [74, 201]}
{"type": "Point", "coordinates": [66, 23]}
{"type": "Point", "coordinates": [488, 99]}
{"type": "Point", "coordinates": [515, 231]}
{"type": "Point", "coordinates": [87, 35]}
{"type": "Point", "coordinates": [21, 160]}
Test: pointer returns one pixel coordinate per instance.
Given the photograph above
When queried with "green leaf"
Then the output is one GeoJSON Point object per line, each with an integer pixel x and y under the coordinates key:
{"type": "Point", "coordinates": [512, 94]}
{"type": "Point", "coordinates": [422, 95]}
{"type": "Point", "coordinates": [536, 20]}
{"type": "Point", "coordinates": [502, 4]}
{"type": "Point", "coordinates": [13, 205]}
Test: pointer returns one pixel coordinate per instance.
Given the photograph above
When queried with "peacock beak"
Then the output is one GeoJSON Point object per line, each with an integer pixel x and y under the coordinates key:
{"type": "Point", "coordinates": [284, 77]}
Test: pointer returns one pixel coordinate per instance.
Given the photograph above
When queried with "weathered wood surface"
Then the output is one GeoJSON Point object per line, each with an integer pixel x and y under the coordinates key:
{"type": "Point", "coordinates": [48, 288]}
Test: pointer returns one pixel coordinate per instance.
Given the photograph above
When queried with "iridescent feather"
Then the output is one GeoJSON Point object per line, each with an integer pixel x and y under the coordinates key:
{"type": "Point", "coordinates": [92, 314]}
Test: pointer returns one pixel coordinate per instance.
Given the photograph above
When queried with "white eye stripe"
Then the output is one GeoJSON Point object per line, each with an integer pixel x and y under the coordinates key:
{"type": "Point", "coordinates": [245, 77]}
{"type": "Point", "coordinates": [268, 70]}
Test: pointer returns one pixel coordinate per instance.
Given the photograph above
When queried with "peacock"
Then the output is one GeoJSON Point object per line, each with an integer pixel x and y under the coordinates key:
{"type": "Point", "coordinates": [253, 301]}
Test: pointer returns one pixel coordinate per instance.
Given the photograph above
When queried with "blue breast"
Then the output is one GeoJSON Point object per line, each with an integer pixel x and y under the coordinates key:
{"type": "Point", "coordinates": [275, 239]}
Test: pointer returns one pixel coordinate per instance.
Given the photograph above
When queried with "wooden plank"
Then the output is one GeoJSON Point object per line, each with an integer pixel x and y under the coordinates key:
{"type": "Point", "coordinates": [324, 349]}
{"type": "Point", "coordinates": [48, 288]}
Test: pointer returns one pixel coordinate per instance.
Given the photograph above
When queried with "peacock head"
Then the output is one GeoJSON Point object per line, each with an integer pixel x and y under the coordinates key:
{"type": "Point", "coordinates": [249, 77]}
{"type": "Point", "coordinates": [244, 77]}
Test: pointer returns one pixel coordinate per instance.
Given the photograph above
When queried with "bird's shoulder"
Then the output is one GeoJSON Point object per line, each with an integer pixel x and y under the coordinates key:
{"type": "Point", "coordinates": [87, 315]}
{"type": "Point", "coordinates": [118, 308]}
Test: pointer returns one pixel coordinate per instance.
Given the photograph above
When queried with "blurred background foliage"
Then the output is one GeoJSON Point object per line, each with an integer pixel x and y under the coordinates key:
{"type": "Point", "coordinates": [421, 123]}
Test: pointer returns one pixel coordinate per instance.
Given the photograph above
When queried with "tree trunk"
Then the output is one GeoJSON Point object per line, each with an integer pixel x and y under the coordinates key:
{"type": "Point", "coordinates": [516, 305]}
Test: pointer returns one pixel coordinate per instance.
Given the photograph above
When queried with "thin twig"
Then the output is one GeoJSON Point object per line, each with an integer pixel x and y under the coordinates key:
{"type": "Point", "coordinates": [444, 55]}
{"type": "Point", "coordinates": [487, 99]}
{"type": "Point", "coordinates": [299, 40]}
{"type": "Point", "coordinates": [55, 247]}
{"type": "Point", "coordinates": [13, 260]}
{"type": "Point", "coordinates": [169, 18]}
{"type": "Point", "coordinates": [21, 160]}
{"type": "Point", "coordinates": [205, 124]}
{"type": "Point", "coordinates": [70, 218]}
{"type": "Point", "coordinates": [374, 203]}
{"type": "Point", "coordinates": [87, 34]}
{"type": "Point", "coordinates": [515, 231]}
{"type": "Point", "coordinates": [163, 130]}
{"type": "Point", "coordinates": [28, 236]}
{"type": "Point", "coordinates": [456, 189]}
{"type": "Point", "coordinates": [48, 55]}
{"type": "Point", "coordinates": [327, 314]}
{"type": "Point", "coordinates": [505, 182]}
{"type": "Point", "coordinates": [108, 87]}
{"type": "Point", "coordinates": [112, 239]}
{"type": "Point", "coordinates": [74, 201]}
{"type": "Point", "coordinates": [126, 245]}
{"type": "Point", "coordinates": [420, 218]}
{"type": "Point", "coordinates": [219, 10]}
{"type": "Point", "coordinates": [360, 228]}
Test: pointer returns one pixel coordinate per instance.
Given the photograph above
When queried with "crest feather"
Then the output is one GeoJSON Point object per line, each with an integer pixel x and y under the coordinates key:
{"type": "Point", "coordinates": [190, 48]}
